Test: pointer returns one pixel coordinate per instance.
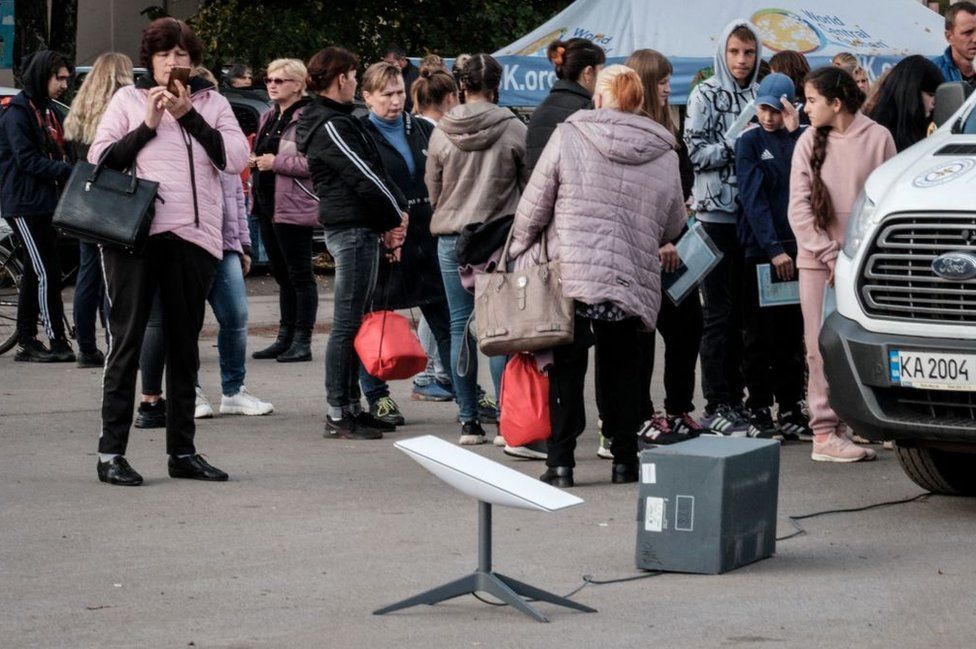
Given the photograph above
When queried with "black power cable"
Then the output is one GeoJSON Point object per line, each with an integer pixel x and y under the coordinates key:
{"type": "Point", "coordinates": [798, 531]}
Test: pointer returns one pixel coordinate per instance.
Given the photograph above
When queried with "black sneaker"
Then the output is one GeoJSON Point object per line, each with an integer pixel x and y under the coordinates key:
{"type": "Point", "coordinates": [472, 434]}
{"type": "Point", "coordinates": [793, 425]}
{"type": "Point", "coordinates": [369, 421]}
{"type": "Point", "coordinates": [658, 432]}
{"type": "Point", "coordinates": [761, 424]}
{"type": "Point", "coordinates": [117, 471]}
{"type": "Point", "coordinates": [93, 359]}
{"type": "Point", "coordinates": [61, 351]}
{"type": "Point", "coordinates": [386, 409]}
{"type": "Point", "coordinates": [349, 428]}
{"type": "Point", "coordinates": [151, 415]}
{"type": "Point", "coordinates": [33, 351]}
{"type": "Point", "coordinates": [725, 420]}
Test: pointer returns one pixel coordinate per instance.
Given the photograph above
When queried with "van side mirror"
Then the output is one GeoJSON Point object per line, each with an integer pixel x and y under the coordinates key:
{"type": "Point", "coordinates": [949, 97]}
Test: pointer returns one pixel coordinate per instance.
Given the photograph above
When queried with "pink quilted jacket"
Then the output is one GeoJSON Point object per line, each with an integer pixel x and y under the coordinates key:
{"type": "Point", "coordinates": [165, 160]}
{"type": "Point", "coordinates": [607, 193]}
{"type": "Point", "coordinates": [294, 200]}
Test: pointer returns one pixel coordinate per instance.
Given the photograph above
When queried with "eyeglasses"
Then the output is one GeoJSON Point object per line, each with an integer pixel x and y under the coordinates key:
{"type": "Point", "coordinates": [274, 81]}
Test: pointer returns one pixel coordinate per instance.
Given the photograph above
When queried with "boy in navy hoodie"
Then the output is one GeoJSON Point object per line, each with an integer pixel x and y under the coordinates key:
{"type": "Point", "coordinates": [774, 334]}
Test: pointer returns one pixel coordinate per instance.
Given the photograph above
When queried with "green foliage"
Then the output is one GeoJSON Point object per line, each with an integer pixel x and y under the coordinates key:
{"type": "Point", "coordinates": [257, 32]}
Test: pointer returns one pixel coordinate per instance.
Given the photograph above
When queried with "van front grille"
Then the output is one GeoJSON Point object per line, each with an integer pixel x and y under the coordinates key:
{"type": "Point", "coordinates": [898, 282]}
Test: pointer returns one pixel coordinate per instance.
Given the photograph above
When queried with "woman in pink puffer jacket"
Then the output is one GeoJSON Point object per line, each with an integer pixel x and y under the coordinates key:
{"type": "Point", "coordinates": [183, 141]}
{"type": "Point", "coordinates": [606, 192]}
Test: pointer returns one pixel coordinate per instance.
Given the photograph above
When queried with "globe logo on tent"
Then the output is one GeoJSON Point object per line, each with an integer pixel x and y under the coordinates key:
{"type": "Point", "coordinates": [784, 30]}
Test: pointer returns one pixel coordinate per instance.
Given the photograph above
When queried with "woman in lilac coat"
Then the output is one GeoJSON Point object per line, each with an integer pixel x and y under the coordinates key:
{"type": "Point", "coordinates": [606, 193]}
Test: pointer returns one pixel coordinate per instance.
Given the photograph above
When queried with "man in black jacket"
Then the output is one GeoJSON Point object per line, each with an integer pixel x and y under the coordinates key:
{"type": "Point", "coordinates": [33, 168]}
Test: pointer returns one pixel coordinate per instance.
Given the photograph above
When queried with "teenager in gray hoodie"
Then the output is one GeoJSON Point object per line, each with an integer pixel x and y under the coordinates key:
{"type": "Point", "coordinates": [713, 107]}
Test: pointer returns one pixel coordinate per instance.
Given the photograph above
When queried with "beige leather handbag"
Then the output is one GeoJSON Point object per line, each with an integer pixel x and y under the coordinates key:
{"type": "Point", "coordinates": [522, 311]}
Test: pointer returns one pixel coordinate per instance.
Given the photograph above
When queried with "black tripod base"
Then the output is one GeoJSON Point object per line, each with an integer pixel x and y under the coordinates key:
{"type": "Point", "coordinates": [499, 586]}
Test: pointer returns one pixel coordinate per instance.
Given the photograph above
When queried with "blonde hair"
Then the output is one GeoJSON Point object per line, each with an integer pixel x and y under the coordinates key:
{"type": "Point", "coordinates": [378, 75]}
{"type": "Point", "coordinates": [845, 60]}
{"type": "Point", "coordinates": [292, 68]}
{"type": "Point", "coordinates": [431, 63]}
{"type": "Point", "coordinates": [621, 88]}
{"type": "Point", "coordinates": [206, 75]}
{"type": "Point", "coordinates": [110, 72]}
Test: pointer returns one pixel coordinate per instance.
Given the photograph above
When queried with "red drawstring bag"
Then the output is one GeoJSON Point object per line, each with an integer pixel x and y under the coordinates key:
{"type": "Point", "coordinates": [524, 402]}
{"type": "Point", "coordinates": [388, 347]}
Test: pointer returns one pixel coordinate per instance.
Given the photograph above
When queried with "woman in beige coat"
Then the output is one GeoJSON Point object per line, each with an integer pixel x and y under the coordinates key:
{"type": "Point", "coordinates": [606, 192]}
{"type": "Point", "coordinates": [475, 173]}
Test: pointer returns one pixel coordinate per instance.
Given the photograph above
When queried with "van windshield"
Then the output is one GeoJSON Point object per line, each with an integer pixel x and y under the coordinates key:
{"type": "Point", "coordinates": [969, 126]}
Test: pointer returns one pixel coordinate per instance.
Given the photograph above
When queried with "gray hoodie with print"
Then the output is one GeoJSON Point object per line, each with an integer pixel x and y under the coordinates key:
{"type": "Point", "coordinates": [712, 108]}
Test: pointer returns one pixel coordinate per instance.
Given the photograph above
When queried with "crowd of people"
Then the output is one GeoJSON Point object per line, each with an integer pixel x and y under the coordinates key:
{"type": "Point", "coordinates": [602, 175]}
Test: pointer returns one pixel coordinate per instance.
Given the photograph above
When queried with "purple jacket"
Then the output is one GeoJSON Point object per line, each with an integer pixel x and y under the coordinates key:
{"type": "Point", "coordinates": [607, 193]}
{"type": "Point", "coordinates": [295, 199]}
{"type": "Point", "coordinates": [237, 237]}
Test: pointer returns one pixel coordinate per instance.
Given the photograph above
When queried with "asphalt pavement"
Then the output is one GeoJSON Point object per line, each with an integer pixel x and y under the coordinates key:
{"type": "Point", "coordinates": [311, 535]}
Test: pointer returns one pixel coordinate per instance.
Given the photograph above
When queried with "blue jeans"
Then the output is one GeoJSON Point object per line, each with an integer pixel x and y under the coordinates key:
{"type": "Point", "coordinates": [356, 252]}
{"type": "Point", "coordinates": [89, 297]}
{"type": "Point", "coordinates": [461, 304]}
{"type": "Point", "coordinates": [228, 298]}
{"type": "Point", "coordinates": [436, 370]}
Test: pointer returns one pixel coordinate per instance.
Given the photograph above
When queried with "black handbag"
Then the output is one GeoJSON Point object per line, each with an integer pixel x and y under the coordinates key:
{"type": "Point", "coordinates": [108, 207]}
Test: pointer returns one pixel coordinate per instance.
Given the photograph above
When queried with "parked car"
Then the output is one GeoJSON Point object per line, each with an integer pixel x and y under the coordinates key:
{"type": "Point", "coordinates": [900, 349]}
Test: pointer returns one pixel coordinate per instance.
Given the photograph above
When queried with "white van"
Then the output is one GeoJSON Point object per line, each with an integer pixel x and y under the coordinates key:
{"type": "Point", "coordinates": [900, 349]}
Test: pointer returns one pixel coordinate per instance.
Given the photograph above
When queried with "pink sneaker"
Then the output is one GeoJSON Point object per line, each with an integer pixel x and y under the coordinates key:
{"type": "Point", "coordinates": [840, 449]}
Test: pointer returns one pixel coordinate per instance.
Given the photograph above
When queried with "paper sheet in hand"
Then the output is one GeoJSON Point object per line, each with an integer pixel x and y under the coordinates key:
{"type": "Point", "coordinates": [775, 293]}
{"type": "Point", "coordinates": [740, 122]}
{"type": "Point", "coordinates": [699, 255]}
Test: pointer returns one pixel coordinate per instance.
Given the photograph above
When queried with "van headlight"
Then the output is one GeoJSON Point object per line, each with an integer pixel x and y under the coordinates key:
{"type": "Point", "coordinates": [862, 219]}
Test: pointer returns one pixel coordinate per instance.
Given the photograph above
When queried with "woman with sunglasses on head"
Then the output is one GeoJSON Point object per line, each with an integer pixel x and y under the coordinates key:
{"type": "Point", "coordinates": [287, 211]}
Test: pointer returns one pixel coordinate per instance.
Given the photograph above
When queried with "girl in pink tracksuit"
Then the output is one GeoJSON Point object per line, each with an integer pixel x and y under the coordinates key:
{"type": "Point", "coordinates": [831, 163]}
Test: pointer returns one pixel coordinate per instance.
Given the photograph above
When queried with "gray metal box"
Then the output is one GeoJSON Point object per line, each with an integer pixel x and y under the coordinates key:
{"type": "Point", "coordinates": [707, 505]}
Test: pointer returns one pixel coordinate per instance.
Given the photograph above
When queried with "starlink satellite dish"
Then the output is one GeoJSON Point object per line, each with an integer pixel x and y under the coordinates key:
{"type": "Point", "coordinates": [484, 479]}
{"type": "Point", "coordinates": [492, 484]}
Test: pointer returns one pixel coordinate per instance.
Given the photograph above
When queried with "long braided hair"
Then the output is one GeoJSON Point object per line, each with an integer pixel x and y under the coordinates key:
{"type": "Point", "coordinates": [830, 83]}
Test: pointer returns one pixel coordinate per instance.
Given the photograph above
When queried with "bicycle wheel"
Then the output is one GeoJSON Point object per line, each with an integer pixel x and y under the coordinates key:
{"type": "Point", "coordinates": [11, 271]}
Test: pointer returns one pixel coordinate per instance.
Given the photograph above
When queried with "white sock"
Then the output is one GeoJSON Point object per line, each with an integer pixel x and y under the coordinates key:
{"type": "Point", "coordinates": [108, 457]}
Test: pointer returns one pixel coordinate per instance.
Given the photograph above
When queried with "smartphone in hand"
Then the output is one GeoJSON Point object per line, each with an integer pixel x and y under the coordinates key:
{"type": "Point", "coordinates": [181, 74]}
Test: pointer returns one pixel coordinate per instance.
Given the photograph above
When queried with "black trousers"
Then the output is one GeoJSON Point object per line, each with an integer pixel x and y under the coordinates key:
{"type": "Point", "coordinates": [722, 335]}
{"type": "Point", "coordinates": [681, 328]}
{"type": "Point", "coordinates": [774, 364]}
{"type": "Point", "coordinates": [289, 249]}
{"type": "Point", "coordinates": [183, 273]}
{"type": "Point", "coordinates": [40, 286]}
{"type": "Point", "coordinates": [618, 389]}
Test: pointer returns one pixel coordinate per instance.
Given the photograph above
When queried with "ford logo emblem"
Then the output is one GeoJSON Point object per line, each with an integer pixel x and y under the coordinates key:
{"type": "Point", "coordinates": [955, 266]}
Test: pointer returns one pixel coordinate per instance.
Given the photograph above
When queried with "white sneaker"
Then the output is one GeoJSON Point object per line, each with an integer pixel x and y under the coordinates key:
{"type": "Point", "coordinates": [499, 441]}
{"type": "Point", "coordinates": [203, 409]}
{"type": "Point", "coordinates": [243, 403]}
{"type": "Point", "coordinates": [603, 451]}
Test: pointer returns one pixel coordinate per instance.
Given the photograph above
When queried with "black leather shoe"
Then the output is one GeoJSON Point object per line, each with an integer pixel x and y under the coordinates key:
{"type": "Point", "coordinates": [300, 350]}
{"type": "Point", "coordinates": [151, 415]}
{"type": "Point", "coordinates": [94, 359]}
{"type": "Point", "coordinates": [558, 476]}
{"type": "Point", "coordinates": [117, 471]}
{"type": "Point", "coordinates": [281, 343]}
{"type": "Point", "coordinates": [194, 467]}
{"type": "Point", "coordinates": [624, 473]}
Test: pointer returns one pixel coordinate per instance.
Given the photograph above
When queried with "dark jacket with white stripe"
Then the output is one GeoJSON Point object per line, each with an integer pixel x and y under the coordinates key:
{"type": "Point", "coordinates": [416, 279]}
{"type": "Point", "coordinates": [353, 188]}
